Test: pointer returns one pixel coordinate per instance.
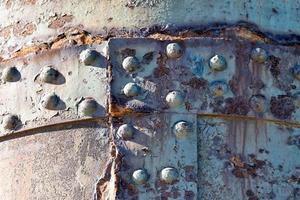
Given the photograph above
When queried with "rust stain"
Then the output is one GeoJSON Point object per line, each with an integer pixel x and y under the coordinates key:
{"type": "Point", "coordinates": [22, 29]}
{"type": "Point", "coordinates": [59, 21]}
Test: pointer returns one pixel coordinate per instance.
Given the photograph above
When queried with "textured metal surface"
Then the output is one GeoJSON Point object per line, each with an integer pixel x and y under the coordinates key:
{"type": "Point", "coordinates": [54, 164]}
{"type": "Point", "coordinates": [203, 118]}
{"type": "Point", "coordinates": [46, 19]}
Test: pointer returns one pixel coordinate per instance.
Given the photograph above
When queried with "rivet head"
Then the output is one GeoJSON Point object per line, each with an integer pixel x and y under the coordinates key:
{"type": "Point", "coordinates": [296, 71]}
{"type": "Point", "coordinates": [259, 55]}
{"type": "Point", "coordinates": [126, 131]}
{"type": "Point", "coordinates": [131, 64]}
{"type": "Point", "coordinates": [174, 50]}
{"type": "Point", "coordinates": [131, 89]}
{"type": "Point", "coordinates": [51, 102]}
{"type": "Point", "coordinates": [182, 129]}
{"type": "Point", "coordinates": [218, 88]}
{"type": "Point", "coordinates": [11, 74]}
{"type": "Point", "coordinates": [169, 175]}
{"type": "Point", "coordinates": [11, 122]}
{"type": "Point", "coordinates": [88, 107]}
{"type": "Point", "coordinates": [140, 176]}
{"type": "Point", "coordinates": [50, 75]}
{"type": "Point", "coordinates": [217, 63]}
{"type": "Point", "coordinates": [258, 103]}
{"type": "Point", "coordinates": [88, 56]}
{"type": "Point", "coordinates": [174, 99]}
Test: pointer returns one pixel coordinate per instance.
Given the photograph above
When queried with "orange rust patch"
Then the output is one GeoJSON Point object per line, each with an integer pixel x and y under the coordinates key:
{"type": "Point", "coordinates": [58, 22]}
{"type": "Point", "coordinates": [20, 29]}
{"type": "Point", "coordinates": [5, 32]}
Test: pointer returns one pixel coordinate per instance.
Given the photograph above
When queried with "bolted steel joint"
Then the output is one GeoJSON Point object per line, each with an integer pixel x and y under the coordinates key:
{"type": "Point", "coordinates": [169, 175]}
{"type": "Point", "coordinates": [88, 107]}
{"type": "Point", "coordinates": [140, 176]}
{"type": "Point", "coordinates": [11, 74]}
{"type": "Point", "coordinates": [51, 102]}
{"type": "Point", "coordinates": [11, 122]}
{"type": "Point", "coordinates": [259, 55]}
{"type": "Point", "coordinates": [182, 129]}
{"type": "Point", "coordinates": [131, 64]}
{"type": "Point", "coordinates": [217, 63]}
{"type": "Point", "coordinates": [132, 89]}
{"type": "Point", "coordinates": [174, 98]}
{"type": "Point", "coordinates": [126, 131]}
{"type": "Point", "coordinates": [89, 56]}
{"type": "Point", "coordinates": [51, 75]}
{"type": "Point", "coordinates": [174, 50]}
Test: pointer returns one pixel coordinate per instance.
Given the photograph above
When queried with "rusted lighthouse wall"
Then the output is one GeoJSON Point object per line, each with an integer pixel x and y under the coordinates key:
{"type": "Point", "coordinates": [149, 99]}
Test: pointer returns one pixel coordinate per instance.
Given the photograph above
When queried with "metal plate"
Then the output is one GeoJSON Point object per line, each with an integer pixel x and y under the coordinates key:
{"type": "Point", "coordinates": [246, 87]}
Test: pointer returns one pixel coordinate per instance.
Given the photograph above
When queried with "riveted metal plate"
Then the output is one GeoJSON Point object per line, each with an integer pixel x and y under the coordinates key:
{"type": "Point", "coordinates": [245, 87]}
{"type": "Point", "coordinates": [25, 97]}
{"type": "Point", "coordinates": [154, 146]}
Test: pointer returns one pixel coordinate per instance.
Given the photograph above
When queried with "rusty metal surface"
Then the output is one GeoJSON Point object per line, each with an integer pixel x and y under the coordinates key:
{"type": "Point", "coordinates": [54, 164]}
{"type": "Point", "coordinates": [205, 118]}
{"type": "Point", "coordinates": [47, 20]}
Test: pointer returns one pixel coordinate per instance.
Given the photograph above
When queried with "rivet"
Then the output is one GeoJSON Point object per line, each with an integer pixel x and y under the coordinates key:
{"type": "Point", "coordinates": [88, 107]}
{"type": "Point", "coordinates": [258, 103]}
{"type": "Point", "coordinates": [296, 71]}
{"type": "Point", "coordinates": [217, 63]}
{"type": "Point", "coordinates": [126, 131]}
{"type": "Point", "coordinates": [131, 89]}
{"type": "Point", "coordinates": [51, 102]}
{"type": "Point", "coordinates": [218, 88]}
{"type": "Point", "coordinates": [259, 55]}
{"type": "Point", "coordinates": [169, 175]}
{"type": "Point", "coordinates": [50, 75]}
{"type": "Point", "coordinates": [174, 99]}
{"type": "Point", "coordinates": [131, 64]}
{"type": "Point", "coordinates": [11, 74]}
{"type": "Point", "coordinates": [11, 122]}
{"type": "Point", "coordinates": [182, 129]}
{"type": "Point", "coordinates": [174, 50]}
{"type": "Point", "coordinates": [140, 176]}
{"type": "Point", "coordinates": [88, 56]}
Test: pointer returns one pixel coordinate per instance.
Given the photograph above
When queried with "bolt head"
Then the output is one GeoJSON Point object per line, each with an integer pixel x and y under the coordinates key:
{"type": "Point", "coordinates": [126, 131]}
{"type": "Point", "coordinates": [131, 64]}
{"type": "Point", "coordinates": [182, 129]}
{"type": "Point", "coordinates": [259, 55]}
{"type": "Point", "coordinates": [88, 56]}
{"type": "Point", "coordinates": [11, 74]}
{"type": "Point", "coordinates": [217, 63]}
{"type": "Point", "coordinates": [11, 122]}
{"type": "Point", "coordinates": [258, 103]}
{"type": "Point", "coordinates": [174, 50]}
{"type": "Point", "coordinates": [49, 75]}
{"type": "Point", "coordinates": [140, 176]}
{"type": "Point", "coordinates": [131, 89]}
{"type": "Point", "coordinates": [174, 99]}
{"type": "Point", "coordinates": [169, 175]}
{"type": "Point", "coordinates": [51, 101]}
{"type": "Point", "coordinates": [218, 88]}
{"type": "Point", "coordinates": [88, 107]}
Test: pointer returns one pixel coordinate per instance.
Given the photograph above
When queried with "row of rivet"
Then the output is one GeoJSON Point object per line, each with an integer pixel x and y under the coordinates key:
{"type": "Point", "coordinates": [217, 62]}
{"type": "Point", "coordinates": [168, 175]}
{"type": "Point", "coordinates": [181, 129]}
{"type": "Point", "coordinates": [87, 107]}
